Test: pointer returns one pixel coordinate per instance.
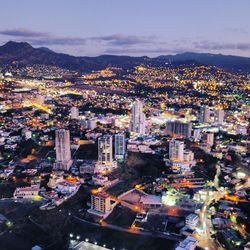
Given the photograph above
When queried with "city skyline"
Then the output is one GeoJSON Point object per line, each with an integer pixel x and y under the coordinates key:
{"type": "Point", "coordinates": [149, 28]}
{"type": "Point", "coordinates": [124, 125]}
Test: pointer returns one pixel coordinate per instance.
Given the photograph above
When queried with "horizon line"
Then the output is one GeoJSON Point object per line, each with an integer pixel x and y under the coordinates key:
{"type": "Point", "coordinates": [127, 55]}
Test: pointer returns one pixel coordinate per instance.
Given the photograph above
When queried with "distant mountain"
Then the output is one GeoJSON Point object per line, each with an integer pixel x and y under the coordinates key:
{"type": "Point", "coordinates": [23, 54]}
{"type": "Point", "coordinates": [218, 60]}
{"type": "Point", "coordinates": [46, 49]}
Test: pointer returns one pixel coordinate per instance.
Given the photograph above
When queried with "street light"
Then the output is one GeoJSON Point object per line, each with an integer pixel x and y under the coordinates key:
{"type": "Point", "coordinates": [71, 235]}
{"type": "Point", "coordinates": [78, 237]}
{"type": "Point", "coordinates": [87, 240]}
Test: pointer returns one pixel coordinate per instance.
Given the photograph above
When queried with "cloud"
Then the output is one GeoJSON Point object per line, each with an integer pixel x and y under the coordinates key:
{"type": "Point", "coordinates": [114, 40]}
{"type": "Point", "coordinates": [21, 32]}
{"type": "Point", "coordinates": [63, 41]}
{"type": "Point", "coordinates": [121, 39]}
{"type": "Point", "coordinates": [126, 44]}
{"type": "Point", "coordinates": [209, 45]}
{"type": "Point", "coordinates": [243, 46]}
{"type": "Point", "coordinates": [236, 30]}
{"type": "Point", "coordinates": [42, 38]}
{"type": "Point", "coordinates": [144, 51]}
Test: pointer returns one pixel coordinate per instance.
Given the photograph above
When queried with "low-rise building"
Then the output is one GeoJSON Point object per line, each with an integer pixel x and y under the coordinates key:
{"type": "Point", "coordinates": [189, 243]}
{"type": "Point", "coordinates": [26, 192]}
{"type": "Point", "coordinates": [101, 204]}
{"type": "Point", "coordinates": [192, 220]}
{"type": "Point", "coordinates": [151, 201]}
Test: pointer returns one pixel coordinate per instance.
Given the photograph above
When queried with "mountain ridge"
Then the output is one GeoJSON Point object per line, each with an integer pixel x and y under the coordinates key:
{"type": "Point", "coordinates": [23, 54]}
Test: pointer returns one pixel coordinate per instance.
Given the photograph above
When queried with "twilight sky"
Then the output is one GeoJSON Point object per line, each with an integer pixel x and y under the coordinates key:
{"type": "Point", "coordinates": [131, 27]}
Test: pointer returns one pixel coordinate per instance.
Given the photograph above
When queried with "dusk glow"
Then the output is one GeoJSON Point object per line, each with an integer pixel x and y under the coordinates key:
{"type": "Point", "coordinates": [141, 27]}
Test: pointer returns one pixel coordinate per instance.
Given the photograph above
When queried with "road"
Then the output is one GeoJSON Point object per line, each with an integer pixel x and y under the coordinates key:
{"type": "Point", "coordinates": [130, 230]}
{"type": "Point", "coordinates": [206, 241]}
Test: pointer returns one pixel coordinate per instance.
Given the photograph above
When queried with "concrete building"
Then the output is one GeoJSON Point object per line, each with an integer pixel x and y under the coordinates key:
{"type": "Point", "coordinates": [204, 114]}
{"type": "Point", "coordinates": [219, 116]}
{"type": "Point", "coordinates": [27, 134]}
{"type": "Point", "coordinates": [100, 203]}
{"type": "Point", "coordinates": [197, 134]}
{"type": "Point", "coordinates": [189, 243]}
{"type": "Point", "coordinates": [105, 149]}
{"type": "Point", "coordinates": [26, 192]}
{"type": "Point", "coordinates": [176, 150]}
{"type": "Point", "coordinates": [209, 138]}
{"type": "Point", "coordinates": [188, 156]}
{"type": "Point", "coordinates": [74, 113]}
{"type": "Point", "coordinates": [192, 220]}
{"type": "Point", "coordinates": [137, 122]}
{"type": "Point", "coordinates": [40, 99]}
{"type": "Point", "coordinates": [91, 123]}
{"type": "Point", "coordinates": [178, 128]}
{"type": "Point", "coordinates": [120, 146]}
{"type": "Point", "coordinates": [63, 153]}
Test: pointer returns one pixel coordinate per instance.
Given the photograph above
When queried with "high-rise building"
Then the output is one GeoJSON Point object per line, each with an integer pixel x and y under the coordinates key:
{"type": "Point", "coordinates": [74, 113]}
{"type": "Point", "coordinates": [219, 116]}
{"type": "Point", "coordinates": [120, 146]}
{"type": "Point", "coordinates": [91, 123]}
{"type": "Point", "coordinates": [188, 155]}
{"type": "Point", "coordinates": [205, 114]}
{"type": "Point", "coordinates": [176, 150]}
{"type": "Point", "coordinates": [105, 149]}
{"type": "Point", "coordinates": [63, 153]}
{"type": "Point", "coordinates": [137, 122]}
{"type": "Point", "coordinates": [197, 134]}
{"type": "Point", "coordinates": [209, 138]}
{"type": "Point", "coordinates": [178, 128]}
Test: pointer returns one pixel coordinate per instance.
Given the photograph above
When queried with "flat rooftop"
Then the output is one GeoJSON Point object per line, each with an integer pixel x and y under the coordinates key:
{"type": "Point", "coordinates": [88, 246]}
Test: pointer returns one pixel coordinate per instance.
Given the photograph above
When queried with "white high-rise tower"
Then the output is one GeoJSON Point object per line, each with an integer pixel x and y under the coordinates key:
{"type": "Point", "coordinates": [105, 149]}
{"type": "Point", "coordinates": [63, 153]}
{"type": "Point", "coordinates": [74, 113]}
{"type": "Point", "coordinates": [176, 150]}
{"type": "Point", "coordinates": [205, 114]}
{"type": "Point", "coordinates": [137, 122]}
{"type": "Point", "coordinates": [120, 146]}
{"type": "Point", "coordinates": [219, 116]}
{"type": "Point", "coordinates": [105, 161]}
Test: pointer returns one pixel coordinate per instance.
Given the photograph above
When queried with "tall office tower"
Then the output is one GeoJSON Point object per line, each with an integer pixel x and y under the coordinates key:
{"type": "Point", "coordinates": [178, 128]}
{"type": "Point", "coordinates": [120, 146]}
{"type": "Point", "coordinates": [63, 153]}
{"type": "Point", "coordinates": [197, 134]}
{"type": "Point", "coordinates": [105, 149]}
{"type": "Point", "coordinates": [74, 113]}
{"type": "Point", "coordinates": [219, 116]}
{"type": "Point", "coordinates": [209, 138]}
{"type": "Point", "coordinates": [204, 114]}
{"type": "Point", "coordinates": [176, 150]}
{"type": "Point", "coordinates": [137, 122]}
